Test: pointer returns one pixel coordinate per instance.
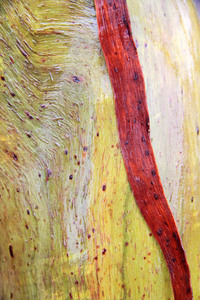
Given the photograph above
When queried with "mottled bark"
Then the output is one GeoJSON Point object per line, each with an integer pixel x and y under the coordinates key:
{"type": "Point", "coordinates": [69, 224]}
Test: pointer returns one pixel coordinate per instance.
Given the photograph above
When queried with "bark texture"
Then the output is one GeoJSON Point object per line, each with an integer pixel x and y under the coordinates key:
{"type": "Point", "coordinates": [134, 133]}
{"type": "Point", "coordinates": [70, 227]}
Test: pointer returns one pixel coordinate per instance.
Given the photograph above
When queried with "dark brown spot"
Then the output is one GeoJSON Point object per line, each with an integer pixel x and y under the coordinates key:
{"type": "Point", "coordinates": [95, 258]}
{"type": "Point", "coordinates": [76, 282]}
{"type": "Point", "coordinates": [43, 106]}
{"type": "Point", "coordinates": [28, 212]}
{"type": "Point", "coordinates": [192, 199]}
{"type": "Point", "coordinates": [104, 251]}
{"type": "Point", "coordinates": [70, 295]}
{"type": "Point", "coordinates": [156, 196]}
{"type": "Point", "coordinates": [85, 148]}
{"type": "Point", "coordinates": [147, 153]}
{"type": "Point", "coordinates": [114, 7]}
{"type": "Point", "coordinates": [15, 157]}
{"type": "Point", "coordinates": [126, 244]}
{"type": "Point", "coordinates": [116, 70]}
{"type": "Point", "coordinates": [159, 232]}
{"type": "Point", "coordinates": [26, 226]}
{"type": "Point", "coordinates": [2, 78]}
{"type": "Point", "coordinates": [18, 190]}
{"type": "Point", "coordinates": [104, 187]}
{"type": "Point", "coordinates": [70, 177]}
{"type": "Point", "coordinates": [135, 77]}
{"type": "Point", "coordinates": [89, 236]}
{"type": "Point", "coordinates": [153, 172]}
{"type": "Point", "coordinates": [11, 295]}
{"type": "Point", "coordinates": [175, 236]}
{"type": "Point", "coordinates": [12, 94]}
{"type": "Point", "coordinates": [173, 259]}
{"type": "Point", "coordinates": [11, 251]}
{"type": "Point", "coordinates": [29, 115]}
{"type": "Point", "coordinates": [97, 133]}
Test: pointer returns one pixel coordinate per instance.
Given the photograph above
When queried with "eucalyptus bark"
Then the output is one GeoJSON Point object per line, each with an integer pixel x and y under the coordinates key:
{"type": "Point", "coordinates": [69, 224]}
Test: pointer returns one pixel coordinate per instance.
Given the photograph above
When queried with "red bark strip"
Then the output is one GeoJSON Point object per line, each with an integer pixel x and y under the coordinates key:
{"type": "Point", "coordinates": [133, 125]}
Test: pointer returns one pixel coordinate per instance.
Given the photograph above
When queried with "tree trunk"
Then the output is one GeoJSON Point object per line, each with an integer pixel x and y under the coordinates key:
{"type": "Point", "coordinates": [70, 227]}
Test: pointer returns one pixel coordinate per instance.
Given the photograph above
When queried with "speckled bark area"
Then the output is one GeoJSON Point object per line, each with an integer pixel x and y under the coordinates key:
{"type": "Point", "coordinates": [70, 227]}
{"type": "Point", "coordinates": [134, 132]}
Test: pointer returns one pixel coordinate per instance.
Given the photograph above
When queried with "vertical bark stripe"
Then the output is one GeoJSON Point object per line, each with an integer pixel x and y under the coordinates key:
{"type": "Point", "coordinates": [134, 132]}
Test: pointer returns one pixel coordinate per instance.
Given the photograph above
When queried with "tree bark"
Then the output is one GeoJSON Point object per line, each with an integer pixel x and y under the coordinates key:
{"type": "Point", "coordinates": [70, 228]}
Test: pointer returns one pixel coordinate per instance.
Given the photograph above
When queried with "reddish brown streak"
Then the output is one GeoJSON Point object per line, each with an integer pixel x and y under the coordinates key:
{"type": "Point", "coordinates": [133, 125]}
